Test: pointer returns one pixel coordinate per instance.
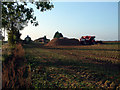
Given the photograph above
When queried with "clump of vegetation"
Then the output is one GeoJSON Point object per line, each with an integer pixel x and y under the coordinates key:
{"type": "Point", "coordinates": [15, 72]}
{"type": "Point", "coordinates": [58, 35]}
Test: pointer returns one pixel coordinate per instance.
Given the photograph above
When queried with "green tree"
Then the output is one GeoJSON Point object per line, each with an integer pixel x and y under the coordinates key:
{"type": "Point", "coordinates": [58, 35]}
{"type": "Point", "coordinates": [16, 16]}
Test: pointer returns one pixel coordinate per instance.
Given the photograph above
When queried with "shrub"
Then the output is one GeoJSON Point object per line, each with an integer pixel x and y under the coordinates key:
{"type": "Point", "coordinates": [15, 72]}
{"type": "Point", "coordinates": [58, 35]}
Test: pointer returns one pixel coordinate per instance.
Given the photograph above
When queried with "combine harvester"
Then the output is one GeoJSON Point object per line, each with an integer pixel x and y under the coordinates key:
{"type": "Point", "coordinates": [87, 40]}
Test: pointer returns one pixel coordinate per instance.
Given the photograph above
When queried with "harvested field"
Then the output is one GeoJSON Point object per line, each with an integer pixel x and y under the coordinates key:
{"type": "Point", "coordinates": [90, 66]}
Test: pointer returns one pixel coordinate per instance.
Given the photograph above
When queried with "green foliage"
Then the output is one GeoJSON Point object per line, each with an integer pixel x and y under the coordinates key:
{"type": "Point", "coordinates": [58, 35]}
{"type": "Point", "coordinates": [20, 14]}
{"type": "Point", "coordinates": [13, 37]}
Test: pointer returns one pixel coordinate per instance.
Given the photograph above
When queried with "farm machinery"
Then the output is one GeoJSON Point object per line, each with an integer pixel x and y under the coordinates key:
{"type": "Point", "coordinates": [87, 40]}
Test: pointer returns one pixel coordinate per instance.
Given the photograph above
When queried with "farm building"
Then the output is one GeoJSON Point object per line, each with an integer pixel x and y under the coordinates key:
{"type": "Point", "coordinates": [27, 39]}
{"type": "Point", "coordinates": [42, 40]}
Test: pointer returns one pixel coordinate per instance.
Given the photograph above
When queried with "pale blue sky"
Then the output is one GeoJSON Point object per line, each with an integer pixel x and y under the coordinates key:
{"type": "Point", "coordinates": [76, 19]}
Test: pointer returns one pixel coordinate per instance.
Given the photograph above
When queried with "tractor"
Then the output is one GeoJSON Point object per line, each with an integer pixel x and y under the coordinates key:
{"type": "Point", "coordinates": [87, 40]}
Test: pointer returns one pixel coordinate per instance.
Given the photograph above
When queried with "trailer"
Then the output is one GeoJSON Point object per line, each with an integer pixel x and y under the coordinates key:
{"type": "Point", "coordinates": [87, 40]}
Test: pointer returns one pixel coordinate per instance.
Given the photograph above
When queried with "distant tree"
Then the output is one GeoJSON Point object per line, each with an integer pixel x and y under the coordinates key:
{"type": "Point", "coordinates": [16, 16]}
{"type": "Point", "coordinates": [58, 35]}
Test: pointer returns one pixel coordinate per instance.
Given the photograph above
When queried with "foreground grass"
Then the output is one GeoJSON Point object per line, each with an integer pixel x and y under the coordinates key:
{"type": "Point", "coordinates": [95, 66]}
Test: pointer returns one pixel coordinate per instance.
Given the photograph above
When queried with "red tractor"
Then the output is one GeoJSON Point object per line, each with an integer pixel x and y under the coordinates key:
{"type": "Point", "coordinates": [87, 40]}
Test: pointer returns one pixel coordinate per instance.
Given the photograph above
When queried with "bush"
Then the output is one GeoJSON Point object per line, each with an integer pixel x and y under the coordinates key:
{"type": "Point", "coordinates": [58, 35]}
{"type": "Point", "coordinates": [15, 72]}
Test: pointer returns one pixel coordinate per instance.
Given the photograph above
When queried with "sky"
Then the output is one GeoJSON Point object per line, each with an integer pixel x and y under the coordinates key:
{"type": "Point", "coordinates": [76, 19]}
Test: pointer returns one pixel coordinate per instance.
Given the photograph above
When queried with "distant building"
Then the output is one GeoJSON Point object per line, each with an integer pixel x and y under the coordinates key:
{"type": "Point", "coordinates": [42, 40]}
{"type": "Point", "coordinates": [27, 39]}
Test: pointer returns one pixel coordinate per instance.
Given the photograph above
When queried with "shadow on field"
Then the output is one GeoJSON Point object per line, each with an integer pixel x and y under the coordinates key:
{"type": "Point", "coordinates": [81, 49]}
{"type": "Point", "coordinates": [38, 45]}
{"type": "Point", "coordinates": [33, 45]}
{"type": "Point", "coordinates": [111, 42]}
{"type": "Point", "coordinates": [108, 69]}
